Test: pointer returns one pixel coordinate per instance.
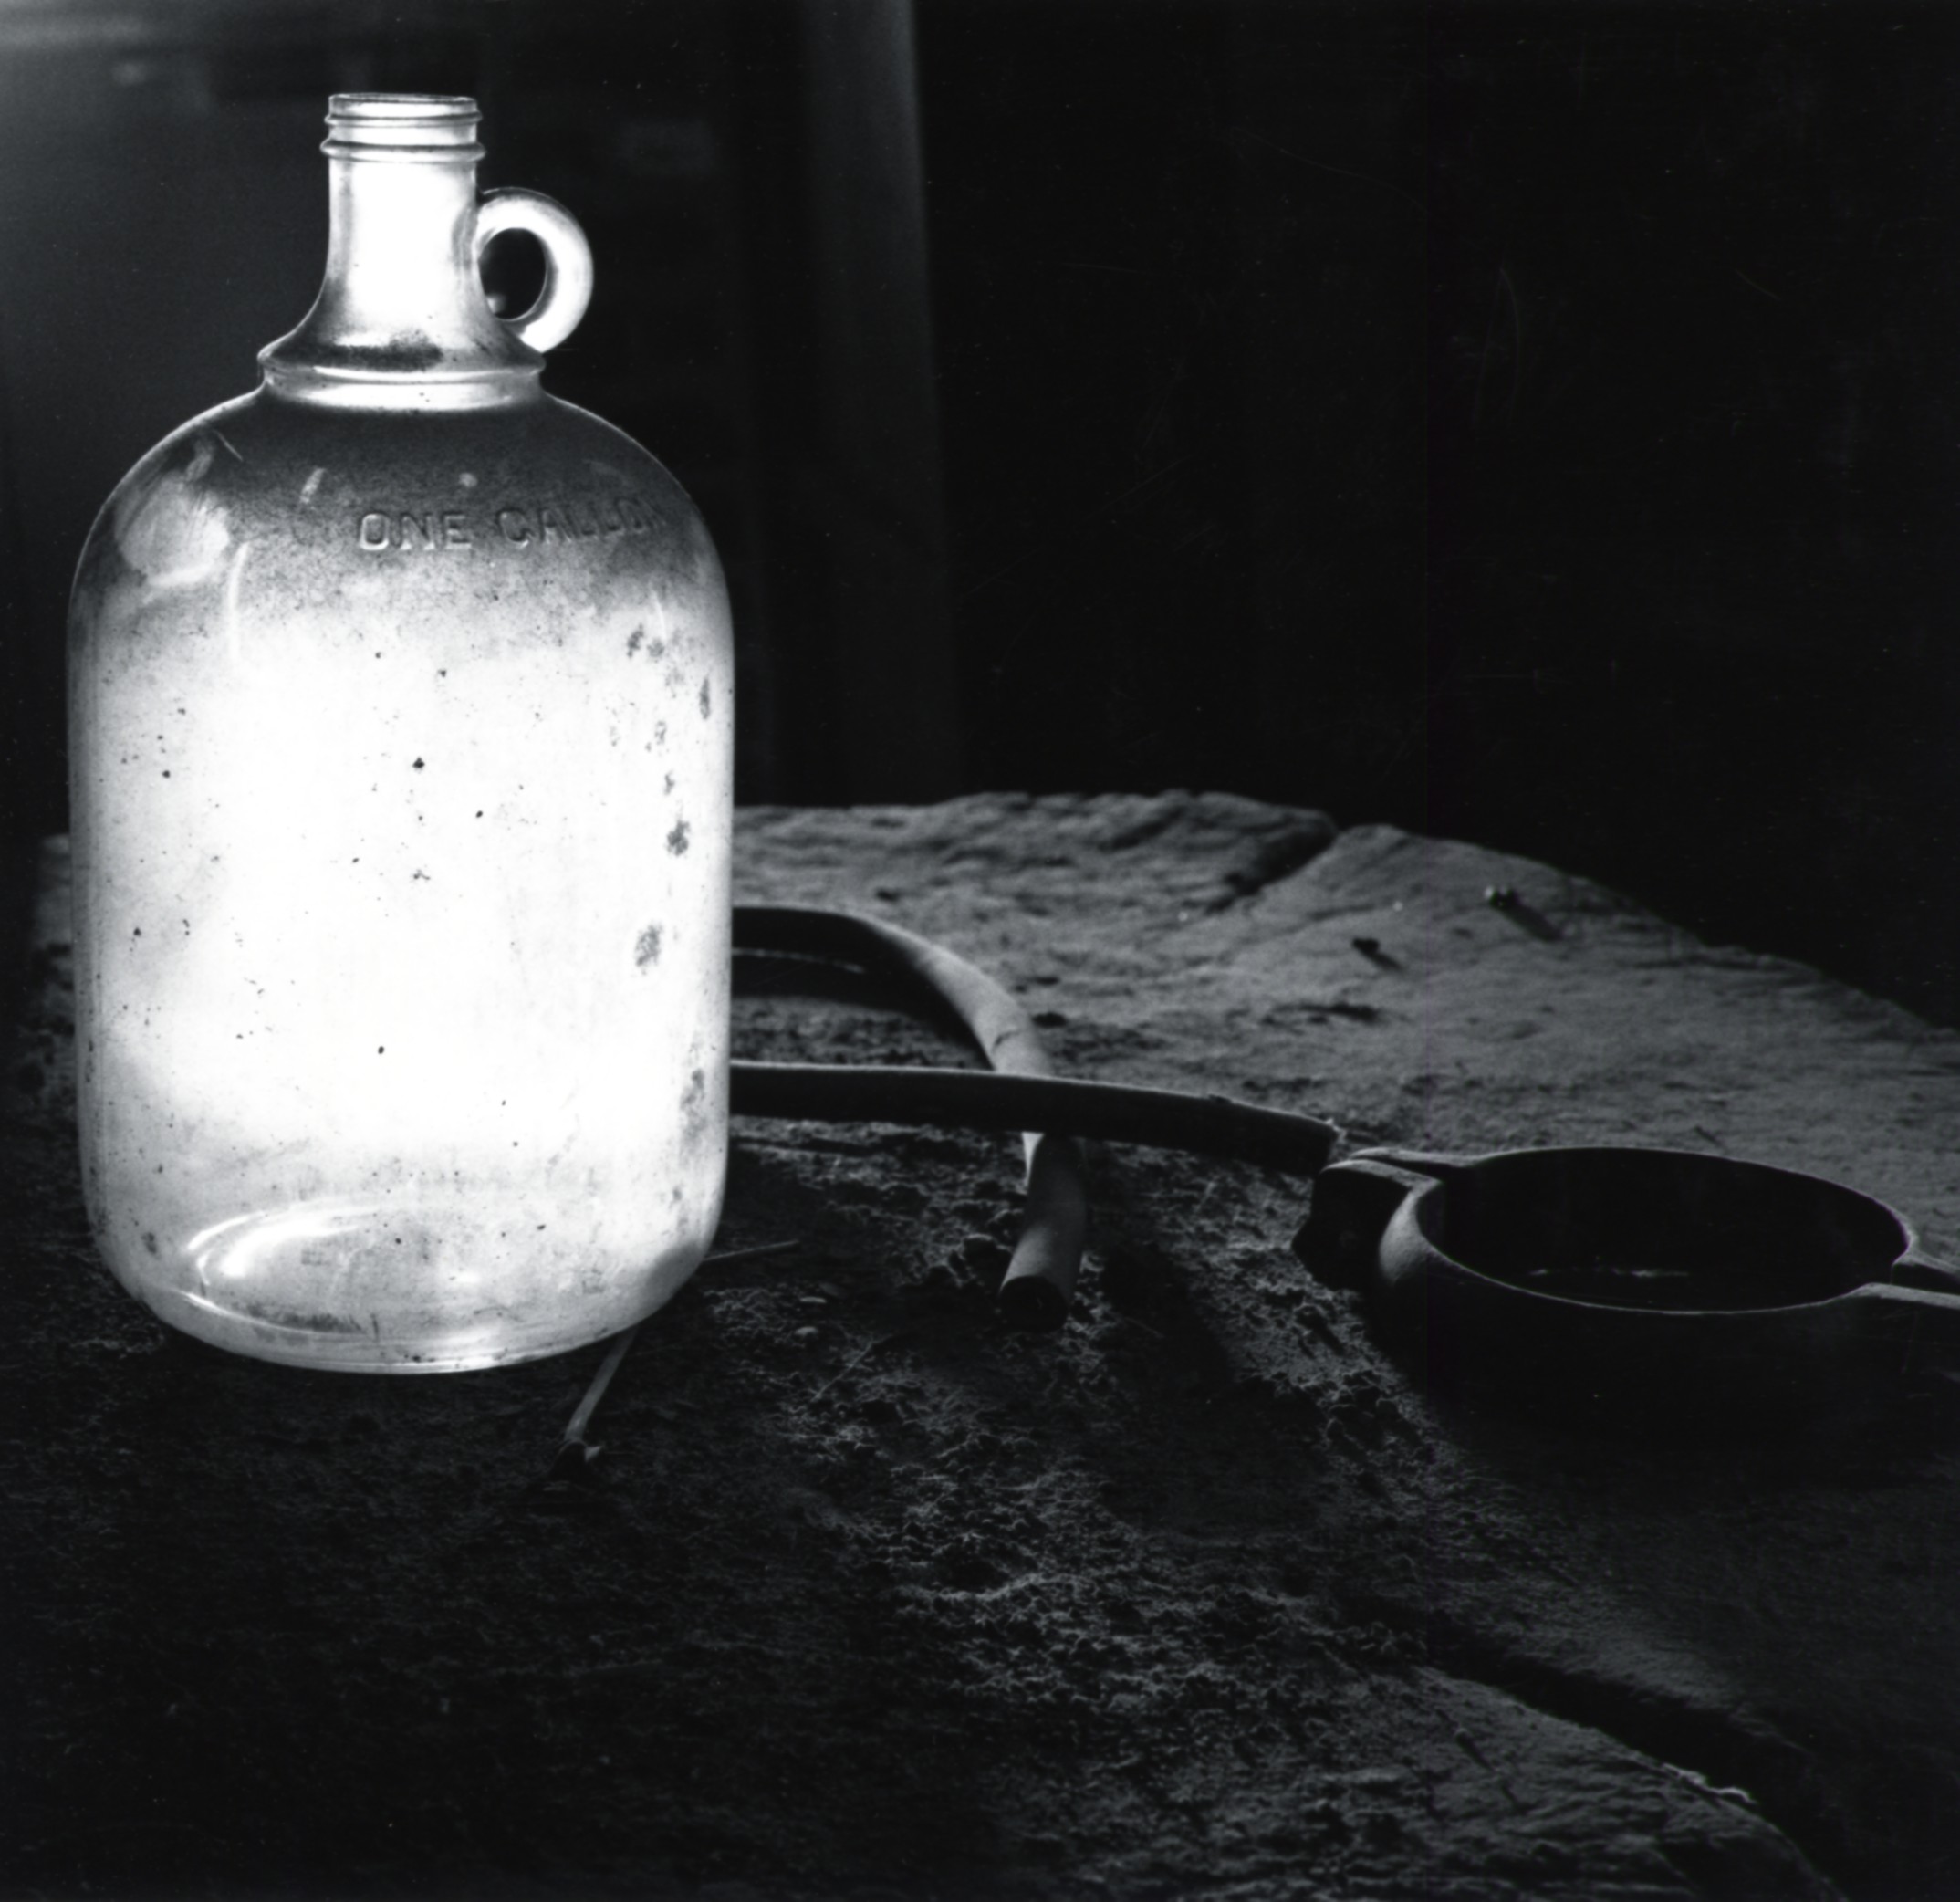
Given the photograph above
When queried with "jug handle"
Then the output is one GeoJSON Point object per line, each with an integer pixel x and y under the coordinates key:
{"type": "Point", "coordinates": [568, 262]}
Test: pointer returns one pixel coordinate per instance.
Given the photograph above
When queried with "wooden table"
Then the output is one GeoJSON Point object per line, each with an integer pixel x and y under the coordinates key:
{"type": "Point", "coordinates": [869, 1596]}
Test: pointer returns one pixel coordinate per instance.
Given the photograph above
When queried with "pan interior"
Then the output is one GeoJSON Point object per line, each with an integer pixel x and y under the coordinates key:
{"type": "Point", "coordinates": [1654, 1228]}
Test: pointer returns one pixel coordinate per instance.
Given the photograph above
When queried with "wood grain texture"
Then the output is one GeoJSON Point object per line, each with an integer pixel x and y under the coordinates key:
{"type": "Point", "coordinates": [868, 1596]}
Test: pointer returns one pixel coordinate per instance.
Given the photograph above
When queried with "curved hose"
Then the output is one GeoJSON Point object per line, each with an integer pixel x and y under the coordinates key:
{"type": "Point", "coordinates": [1047, 1254]}
{"type": "Point", "coordinates": [1022, 1093]}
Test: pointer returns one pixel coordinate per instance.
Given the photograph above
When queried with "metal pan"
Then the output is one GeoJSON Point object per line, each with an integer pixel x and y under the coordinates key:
{"type": "Point", "coordinates": [1667, 1281]}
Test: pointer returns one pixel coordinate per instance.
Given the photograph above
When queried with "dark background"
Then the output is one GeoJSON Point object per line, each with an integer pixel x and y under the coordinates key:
{"type": "Point", "coordinates": [1534, 424]}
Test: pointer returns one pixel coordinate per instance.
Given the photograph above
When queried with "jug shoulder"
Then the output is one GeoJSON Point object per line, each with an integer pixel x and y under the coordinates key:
{"type": "Point", "coordinates": [540, 496]}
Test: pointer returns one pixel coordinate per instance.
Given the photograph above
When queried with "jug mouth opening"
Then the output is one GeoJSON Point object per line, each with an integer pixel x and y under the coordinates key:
{"type": "Point", "coordinates": [402, 125]}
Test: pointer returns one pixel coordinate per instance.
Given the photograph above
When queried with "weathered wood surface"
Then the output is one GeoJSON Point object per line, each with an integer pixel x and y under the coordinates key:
{"type": "Point", "coordinates": [1200, 1597]}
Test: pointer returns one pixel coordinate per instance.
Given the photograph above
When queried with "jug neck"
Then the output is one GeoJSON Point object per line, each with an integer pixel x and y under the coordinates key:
{"type": "Point", "coordinates": [401, 320]}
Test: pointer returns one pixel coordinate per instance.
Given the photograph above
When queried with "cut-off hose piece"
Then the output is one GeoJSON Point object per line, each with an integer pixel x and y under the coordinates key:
{"type": "Point", "coordinates": [1047, 1254]}
{"type": "Point", "coordinates": [1021, 1092]}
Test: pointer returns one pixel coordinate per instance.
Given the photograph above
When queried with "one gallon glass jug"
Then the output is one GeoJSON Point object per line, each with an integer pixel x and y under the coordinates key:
{"type": "Point", "coordinates": [400, 731]}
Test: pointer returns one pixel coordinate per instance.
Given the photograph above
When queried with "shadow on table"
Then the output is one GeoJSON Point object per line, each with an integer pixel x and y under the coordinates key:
{"type": "Point", "coordinates": [271, 1631]}
{"type": "Point", "coordinates": [1761, 1604]}
{"type": "Point", "coordinates": [1764, 1606]}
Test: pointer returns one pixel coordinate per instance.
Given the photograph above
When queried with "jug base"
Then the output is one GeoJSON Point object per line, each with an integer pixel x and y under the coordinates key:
{"type": "Point", "coordinates": [336, 1343]}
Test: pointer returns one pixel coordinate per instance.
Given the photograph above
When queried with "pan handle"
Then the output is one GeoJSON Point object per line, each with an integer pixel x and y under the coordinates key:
{"type": "Point", "coordinates": [1917, 1314]}
{"type": "Point", "coordinates": [1354, 1200]}
{"type": "Point", "coordinates": [1915, 1269]}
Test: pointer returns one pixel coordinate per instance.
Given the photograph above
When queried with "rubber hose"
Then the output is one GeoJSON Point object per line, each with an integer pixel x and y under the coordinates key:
{"type": "Point", "coordinates": [1022, 1093]}
{"type": "Point", "coordinates": [1047, 1254]}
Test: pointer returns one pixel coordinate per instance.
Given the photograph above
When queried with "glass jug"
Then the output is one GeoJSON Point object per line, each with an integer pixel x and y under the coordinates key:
{"type": "Point", "coordinates": [400, 777]}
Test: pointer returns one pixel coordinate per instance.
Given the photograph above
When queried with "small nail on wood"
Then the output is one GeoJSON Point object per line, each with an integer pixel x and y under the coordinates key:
{"type": "Point", "coordinates": [576, 1452]}
{"type": "Point", "coordinates": [1507, 900]}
